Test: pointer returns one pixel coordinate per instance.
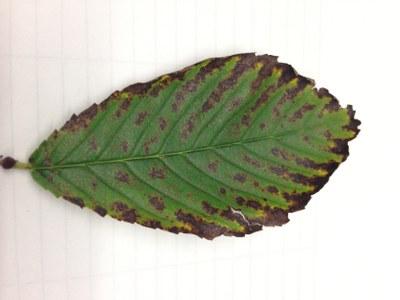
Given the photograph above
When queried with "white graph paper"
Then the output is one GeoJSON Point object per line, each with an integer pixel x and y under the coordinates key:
{"type": "Point", "coordinates": [59, 56]}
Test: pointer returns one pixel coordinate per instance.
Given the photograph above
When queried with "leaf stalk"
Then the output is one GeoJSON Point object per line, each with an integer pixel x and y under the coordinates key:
{"type": "Point", "coordinates": [11, 163]}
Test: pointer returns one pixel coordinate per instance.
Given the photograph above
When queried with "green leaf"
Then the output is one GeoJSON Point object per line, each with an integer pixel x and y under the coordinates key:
{"type": "Point", "coordinates": [222, 147]}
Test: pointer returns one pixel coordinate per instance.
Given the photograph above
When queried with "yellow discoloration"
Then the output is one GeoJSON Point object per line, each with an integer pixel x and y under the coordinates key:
{"type": "Point", "coordinates": [124, 95]}
{"type": "Point", "coordinates": [184, 226]}
{"type": "Point", "coordinates": [293, 83]}
{"type": "Point", "coordinates": [236, 58]}
{"type": "Point", "coordinates": [165, 78]}
{"type": "Point", "coordinates": [258, 66]}
{"type": "Point", "coordinates": [276, 72]}
{"type": "Point", "coordinates": [259, 213]}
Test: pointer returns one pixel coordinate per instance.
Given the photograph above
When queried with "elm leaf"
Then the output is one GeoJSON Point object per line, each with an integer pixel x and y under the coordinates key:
{"type": "Point", "coordinates": [222, 147]}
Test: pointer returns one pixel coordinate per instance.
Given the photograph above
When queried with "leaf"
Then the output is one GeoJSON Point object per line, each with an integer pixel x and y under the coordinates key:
{"type": "Point", "coordinates": [222, 147]}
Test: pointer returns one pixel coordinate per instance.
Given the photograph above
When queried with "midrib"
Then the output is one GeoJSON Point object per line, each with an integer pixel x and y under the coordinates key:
{"type": "Point", "coordinates": [155, 156]}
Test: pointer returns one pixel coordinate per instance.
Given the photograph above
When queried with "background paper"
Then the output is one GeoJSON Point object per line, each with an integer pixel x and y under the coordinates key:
{"type": "Point", "coordinates": [58, 56]}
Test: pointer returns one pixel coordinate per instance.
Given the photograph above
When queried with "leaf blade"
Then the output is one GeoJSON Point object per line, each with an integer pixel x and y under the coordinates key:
{"type": "Point", "coordinates": [222, 147]}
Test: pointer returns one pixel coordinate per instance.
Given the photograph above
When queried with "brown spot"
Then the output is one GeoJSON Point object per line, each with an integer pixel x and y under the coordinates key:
{"type": "Point", "coordinates": [75, 200]}
{"type": "Point", "coordinates": [174, 107]}
{"type": "Point", "coordinates": [129, 216]}
{"type": "Point", "coordinates": [47, 160]}
{"type": "Point", "coordinates": [157, 202]}
{"type": "Point", "coordinates": [188, 126]}
{"type": "Point", "coordinates": [235, 104]}
{"type": "Point", "coordinates": [180, 96]}
{"type": "Point", "coordinates": [192, 85]}
{"type": "Point", "coordinates": [159, 85]}
{"type": "Point", "coordinates": [50, 178]}
{"type": "Point", "coordinates": [250, 203]}
{"type": "Point", "coordinates": [88, 113]}
{"type": "Point", "coordinates": [157, 173]}
{"type": "Point", "coordinates": [287, 73]}
{"type": "Point", "coordinates": [252, 161]}
{"type": "Point", "coordinates": [253, 204]}
{"type": "Point", "coordinates": [152, 224]}
{"type": "Point", "coordinates": [323, 92]}
{"type": "Point", "coordinates": [55, 134]}
{"type": "Point", "coordinates": [327, 134]}
{"type": "Point", "coordinates": [340, 147]}
{"type": "Point", "coordinates": [94, 184]}
{"type": "Point", "coordinates": [93, 144]}
{"type": "Point", "coordinates": [139, 88]}
{"type": "Point", "coordinates": [148, 143]}
{"type": "Point", "coordinates": [116, 94]}
{"type": "Point", "coordinates": [273, 217]}
{"type": "Point", "coordinates": [280, 153]}
{"type": "Point", "coordinates": [276, 111]}
{"type": "Point", "coordinates": [263, 125]}
{"type": "Point", "coordinates": [165, 80]}
{"type": "Point", "coordinates": [240, 177]}
{"type": "Point", "coordinates": [240, 200]}
{"type": "Point", "coordinates": [126, 214]}
{"type": "Point", "coordinates": [119, 207]}
{"type": "Point", "coordinates": [272, 189]}
{"type": "Point", "coordinates": [100, 210]}
{"type": "Point", "coordinates": [333, 104]}
{"type": "Point", "coordinates": [7, 162]}
{"type": "Point", "coordinates": [301, 111]}
{"type": "Point", "coordinates": [291, 93]}
{"type": "Point", "coordinates": [316, 182]}
{"type": "Point", "coordinates": [308, 163]}
{"type": "Point", "coordinates": [125, 146]}
{"type": "Point", "coordinates": [256, 184]}
{"type": "Point", "coordinates": [245, 120]}
{"type": "Point", "coordinates": [245, 62]}
{"type": "Point", "coordinates": [122, 176]}
{"type": "Point", "coordinates": [125, 104]}
{"type": "Point", "coordinates": [200, 227]}
{"type": "Point", "coordinates": [354, 123]}
{"type": "Point", "coordinates": [297, 201]}
{"type": "Point", "coordinates": [141, 117]}
{"type": "Point", "coordinates": [208, 208]}
{"type": "Point", "coordinates": [82, 121]}
{"type": "Point", "coordinates": [175, 229]}
{"type": "Point", "coordinates": [278, 170]}
{"type": "Point", "coordinates": [239, 218]}
{"type": "Point", "coordinates": [162, 123]}
{"type": "Point", "coordinates": [213, 166]}
{"type": "Point", "coordinates": [268, 62]}
{"type": "Point", "coordinates": [118, 113]}
{"type": "Point", "coordinates": [103, 105]}
{"type": "Point", "coordinates": [222, 190]}
{"type": "Point", "coordinates": [263, 98]}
